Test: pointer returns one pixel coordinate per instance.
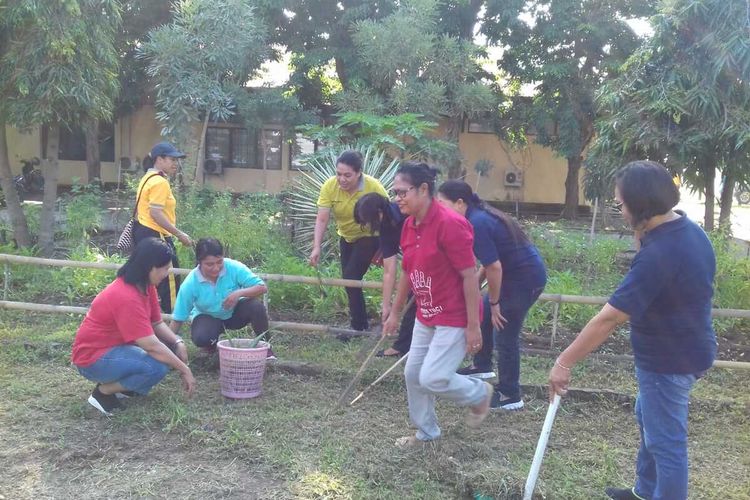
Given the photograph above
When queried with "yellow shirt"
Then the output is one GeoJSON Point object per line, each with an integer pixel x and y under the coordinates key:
{"type": "Point", "coordinates": [342, 203]}
{"type": "Point", "coordinates": [156, 193]}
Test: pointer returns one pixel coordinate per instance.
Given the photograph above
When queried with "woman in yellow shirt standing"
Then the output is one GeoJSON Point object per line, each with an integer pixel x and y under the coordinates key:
{"type": "Point", "coordinates": [358, 246]}
{"type": "Point", "coordinates": [156, 212]}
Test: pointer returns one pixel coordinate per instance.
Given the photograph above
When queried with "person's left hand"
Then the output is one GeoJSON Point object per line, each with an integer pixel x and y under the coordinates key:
{"type": "Point", "coordinates": [473, 339]}
{"type": "Point", "coordinates": [181, 352]}
{"type": "Point", "coordinates": [230, 301]}
{"type": "Point", "coordinates": [498, 320]}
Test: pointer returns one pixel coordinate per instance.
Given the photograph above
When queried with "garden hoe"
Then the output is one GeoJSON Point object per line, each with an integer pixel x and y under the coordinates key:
{"type": "Point", "coordinates": [379, 332]}
{"type": "Point", "coordinates": [385, 374]}
{"type": "Point", "coordinates": [536, 464]}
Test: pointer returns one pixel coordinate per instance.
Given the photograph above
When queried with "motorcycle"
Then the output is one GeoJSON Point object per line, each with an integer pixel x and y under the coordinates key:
{"type": "Point", "coordinates": [31, 180]}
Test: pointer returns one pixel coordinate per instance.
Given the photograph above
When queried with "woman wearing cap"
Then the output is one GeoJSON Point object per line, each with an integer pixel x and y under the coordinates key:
{"type": "Point", "coordinates": [515, 275]}
{"type": "Point", "coordinates": [667, 297]}
{"type": "Point", "coordinates": [338, 195]}
{"type": "Point", "coordinates": [122, 344]}
{"type": "Point", "coordinates": [439, 267]}
{"type": "Point", "coordinates": [155, 212]}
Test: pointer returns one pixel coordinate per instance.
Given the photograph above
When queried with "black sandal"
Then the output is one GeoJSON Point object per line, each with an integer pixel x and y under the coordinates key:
{"type": "Point", "coordinates": [381, 354]}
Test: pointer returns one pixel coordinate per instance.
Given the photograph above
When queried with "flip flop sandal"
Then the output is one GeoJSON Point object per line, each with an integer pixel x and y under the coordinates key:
{"type": "Point", "coordinates": [381, 354]}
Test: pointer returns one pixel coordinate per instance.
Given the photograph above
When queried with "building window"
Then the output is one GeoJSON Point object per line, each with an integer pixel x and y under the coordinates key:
{"type": "Point", "coordinates": [480, 125]}
{"type": "Point", "coordinates": [270, 144]}
{"type": "Point", "coordinates": [243, 148]}
{"type": "Point", "coordinates": [73, 143]}
{"type": "Point", "coordinates": [301, 148]}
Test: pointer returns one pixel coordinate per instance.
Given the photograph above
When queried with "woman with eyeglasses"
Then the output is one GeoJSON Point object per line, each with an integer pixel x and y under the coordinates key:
{"type": "Point", "coordinates": [155, 212]}
{"type": "Point", "coordinates": [338, 195]}
{"type": "Point", "coordinates": [666, 296]}
{"type": "Point", "coordinates": [515, 275]}
{"type": "Point", "coordinates": [438, 267]}
{"type": "Point", "coordinates": [380, 215]}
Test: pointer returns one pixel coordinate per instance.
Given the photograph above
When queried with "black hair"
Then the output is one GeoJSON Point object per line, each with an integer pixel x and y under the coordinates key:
{"type": "Point", "coordinates": [418, 174]}
{"type": "Point", "coordinates": [148, 161]}
{"type": "Point", "coordinates": [647, 188]}
{"type": "Point", "coordinates": [368, 211]}
{"type": "Point", "coordinates": [351, 158]}
{"type": "Point", "coordinates": [148, 254]}
{"type": "Point", "coordinates": [456, 190]}
{"type": "Point", "coordinates": [208, 247]}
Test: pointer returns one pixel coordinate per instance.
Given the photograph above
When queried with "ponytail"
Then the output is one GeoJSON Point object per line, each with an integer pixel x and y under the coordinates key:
{"type": "Point", "coordinates": [148, 162]}
{"type": "Point", "coordinates": [455, 190]}
{"type": "Point", "coordinates": [418, 174]}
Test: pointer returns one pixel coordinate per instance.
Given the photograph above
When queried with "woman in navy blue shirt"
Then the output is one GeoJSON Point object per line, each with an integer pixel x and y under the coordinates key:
{"type": "Point", "coordinates": [666, 296]}
{"type": "Point", "coordinates": [376, 213]}
{"type": "Point", "coordinates": [515, 275]}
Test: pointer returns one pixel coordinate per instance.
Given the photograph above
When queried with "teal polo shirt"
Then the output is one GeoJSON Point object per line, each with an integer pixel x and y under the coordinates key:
{"type": "Point", "coordinates": [198, 295]}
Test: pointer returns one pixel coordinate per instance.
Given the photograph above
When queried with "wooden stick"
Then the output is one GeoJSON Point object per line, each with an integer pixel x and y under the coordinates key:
{"type": "Point", "coordinates": [536, 464]}
{"type": "Point", "coordinates": [385, 374]}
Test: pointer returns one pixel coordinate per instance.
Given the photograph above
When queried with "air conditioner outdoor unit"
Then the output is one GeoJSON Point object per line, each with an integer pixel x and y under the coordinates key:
{"type": "Point", "coordinates": [513, 178]}
{"type": "Point", "coordinates": [213, 166]}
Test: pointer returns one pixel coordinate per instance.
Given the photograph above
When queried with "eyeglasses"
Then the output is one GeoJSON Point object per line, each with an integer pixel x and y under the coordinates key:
{"type": "Point", "coordinates": [400, 193]}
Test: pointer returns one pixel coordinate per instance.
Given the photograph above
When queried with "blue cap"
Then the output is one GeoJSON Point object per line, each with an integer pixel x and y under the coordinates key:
{"type": "Point", "coordinates": [166, 149]}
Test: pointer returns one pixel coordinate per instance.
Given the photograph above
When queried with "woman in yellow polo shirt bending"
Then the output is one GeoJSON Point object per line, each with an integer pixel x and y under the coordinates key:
{"type": "Point", "coordinates": [156, 212]}
{"type": "Point", "coordinates": [358, 246]}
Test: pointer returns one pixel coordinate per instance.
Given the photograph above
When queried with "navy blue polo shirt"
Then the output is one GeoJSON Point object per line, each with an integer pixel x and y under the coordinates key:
{"type": "Point", "coordinates": [390, 231]}
{"type": "Point", "coordinates": [667, 294]}
{"type": "Point", "coordinates": [493, 241]}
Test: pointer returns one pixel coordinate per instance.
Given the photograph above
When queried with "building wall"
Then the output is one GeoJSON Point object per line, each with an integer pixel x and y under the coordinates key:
{"type": "Point", "coordinates": [544, 172]}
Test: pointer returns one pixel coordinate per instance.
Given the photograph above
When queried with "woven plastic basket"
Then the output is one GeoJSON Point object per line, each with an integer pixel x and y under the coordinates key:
{"type": "Point", "coordinates": [241, 368]}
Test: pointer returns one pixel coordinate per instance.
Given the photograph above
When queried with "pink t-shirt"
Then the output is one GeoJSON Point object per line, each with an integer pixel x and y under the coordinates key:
{"type": "Point", "coordinates": [119, 315]}
{"type": "Point", "coordinates": [435, 251]}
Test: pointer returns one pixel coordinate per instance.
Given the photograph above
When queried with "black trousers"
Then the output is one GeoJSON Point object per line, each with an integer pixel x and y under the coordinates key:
{"type": "Point", "coordinates": [206, 330]}
{"type": "Point", "coordinates": [405, 331]}
{"type": "Point", "coordinates": [355, 260]}
{"type": "Point", "coordinates": [168, 287]}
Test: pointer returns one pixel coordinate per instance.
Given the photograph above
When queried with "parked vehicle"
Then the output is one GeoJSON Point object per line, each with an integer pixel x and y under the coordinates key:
{"type": "Point", "coordinates": [742, 193]}
{"type": "Point", "coordinates": [31, 180]}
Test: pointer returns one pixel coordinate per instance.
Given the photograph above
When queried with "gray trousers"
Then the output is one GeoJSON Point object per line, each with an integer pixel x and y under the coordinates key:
{"type": "Point", "coordinates": [435, 354]}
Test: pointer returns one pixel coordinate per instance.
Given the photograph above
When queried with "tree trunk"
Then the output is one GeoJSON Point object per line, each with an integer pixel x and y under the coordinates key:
{"type": "Point", "coordinates": [453, 129]}
{"type": "Point", "coordinates": [727, 196]}
{"type": "Point", "coordinates": [15, 211]}
{"type": "Point", "coordinates": [199, 178]}
{"type": "Point", "coordinates": [93, 157]}
{"type": "Point", "coordinates": [570, 211]}
{"type": "Point", "coordinates": [51, 170]}
{"type": "Point", "coordinates": [709, 176]}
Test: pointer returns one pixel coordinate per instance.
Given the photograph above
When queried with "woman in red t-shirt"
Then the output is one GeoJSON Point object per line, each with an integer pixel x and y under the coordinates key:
{"type": "Point", "coordinates": [439, 266]}
{"type": "Point", "coordinates": [123, 345]}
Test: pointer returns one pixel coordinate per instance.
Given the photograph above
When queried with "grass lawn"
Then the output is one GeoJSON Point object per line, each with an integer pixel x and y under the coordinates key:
{"type": "Point", "coordinates": [289, 443]}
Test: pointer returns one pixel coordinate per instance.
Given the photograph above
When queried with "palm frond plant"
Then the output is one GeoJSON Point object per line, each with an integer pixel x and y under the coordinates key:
{"type": "Point", "coordinates": [303, 195]}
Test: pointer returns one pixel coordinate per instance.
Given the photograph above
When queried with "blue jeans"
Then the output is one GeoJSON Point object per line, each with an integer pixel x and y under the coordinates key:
{"type": "Point", "coordinates": [661, 409]}
{"type": "Point", "coordinates": [129, 365]}
{"type": "Point", "coordinates": [514, 306]}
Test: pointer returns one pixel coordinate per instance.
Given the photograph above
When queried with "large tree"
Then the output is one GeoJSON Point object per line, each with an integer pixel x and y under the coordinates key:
{"type": "Point", "coordinates": [565, 49]}
{"type": "Point", "coordinates": [420, 60]}
{"type": "Point", "coordinates": [200, 63]}
{"type": "Point", "coordinates": [58, 68]}
{"type": "Point", "coordinates": [684, 99]}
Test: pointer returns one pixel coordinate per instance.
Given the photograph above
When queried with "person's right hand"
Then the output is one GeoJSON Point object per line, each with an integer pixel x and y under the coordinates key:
{"type": "Point", "coordinates": [188, 382]}
{"type": "Point", "coordinates": [391, 325]}
{"type": "Point", "coordinates": [314, 257]}
{"type": "Point", "coordinates": [385, 312]}
{"type": "Point", "coordinates": [559, 381]}
{"type": "Point", "coordinates": [184, 239]}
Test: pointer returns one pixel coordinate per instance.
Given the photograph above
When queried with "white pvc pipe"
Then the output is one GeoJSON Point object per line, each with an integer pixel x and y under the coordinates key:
{"type": "Point", "coordinates": [536, 464]}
